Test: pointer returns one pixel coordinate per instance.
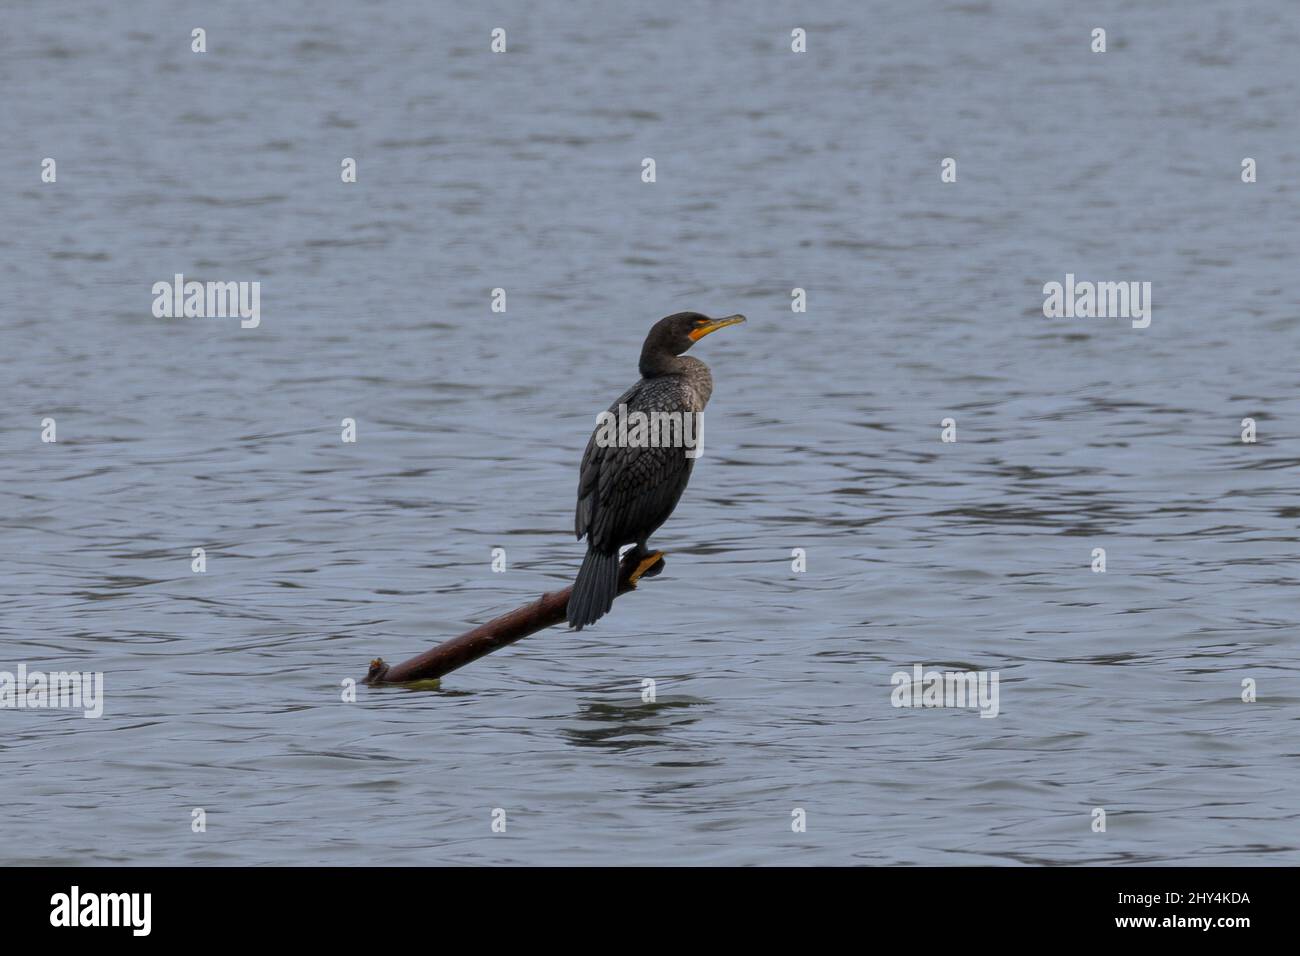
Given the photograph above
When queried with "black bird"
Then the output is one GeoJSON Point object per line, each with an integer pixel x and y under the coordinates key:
{"type": "Point", "coordinates": [626, 490]}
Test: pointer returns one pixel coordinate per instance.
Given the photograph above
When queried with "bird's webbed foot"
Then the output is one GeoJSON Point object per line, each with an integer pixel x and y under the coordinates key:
{"type": "Point", "coordinates": [649, 563]}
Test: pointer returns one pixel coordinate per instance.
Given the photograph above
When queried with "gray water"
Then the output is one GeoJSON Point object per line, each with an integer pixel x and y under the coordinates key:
{"type": "Point", "coordinates": [1119, 690]}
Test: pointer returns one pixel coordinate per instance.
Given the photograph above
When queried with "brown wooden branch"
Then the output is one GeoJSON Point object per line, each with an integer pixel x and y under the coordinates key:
{"type": "Point", "coordinates": [547, 610]}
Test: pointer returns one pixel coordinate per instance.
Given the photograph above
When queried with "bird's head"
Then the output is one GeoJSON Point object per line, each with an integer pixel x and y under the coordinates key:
{"type": "Point", "coordinates": [677, 333]}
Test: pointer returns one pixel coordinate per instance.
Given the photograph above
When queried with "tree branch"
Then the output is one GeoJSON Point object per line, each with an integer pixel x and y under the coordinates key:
{"type": "Point", "coordinates": [547, 610]}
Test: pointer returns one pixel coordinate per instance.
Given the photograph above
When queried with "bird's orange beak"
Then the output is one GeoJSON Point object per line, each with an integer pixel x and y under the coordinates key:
{"type": "Point", "coordinates": [713, 325]}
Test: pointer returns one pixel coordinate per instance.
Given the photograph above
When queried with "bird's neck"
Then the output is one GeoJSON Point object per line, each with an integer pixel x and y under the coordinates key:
{"type": "Point", "coordinates": [693, 374]}
{"type": "Point", "coordinates": [655, 363]}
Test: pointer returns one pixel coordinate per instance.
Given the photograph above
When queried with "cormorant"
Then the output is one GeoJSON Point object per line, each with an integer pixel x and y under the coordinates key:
{"type": "Point", "coordinates": [627, 490]}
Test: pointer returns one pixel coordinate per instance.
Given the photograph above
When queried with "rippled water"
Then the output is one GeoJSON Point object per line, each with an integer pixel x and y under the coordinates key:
{"type": "Point", "coordinates": [775, 170]}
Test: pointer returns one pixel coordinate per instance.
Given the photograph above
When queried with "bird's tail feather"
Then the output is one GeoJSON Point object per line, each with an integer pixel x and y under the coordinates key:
{"type": "Point", "coordinates": [594, 589]}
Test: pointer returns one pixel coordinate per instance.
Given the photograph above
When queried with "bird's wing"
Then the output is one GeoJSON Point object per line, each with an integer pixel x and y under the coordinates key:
{"type": "Point", "coordinates": [625, 493]}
